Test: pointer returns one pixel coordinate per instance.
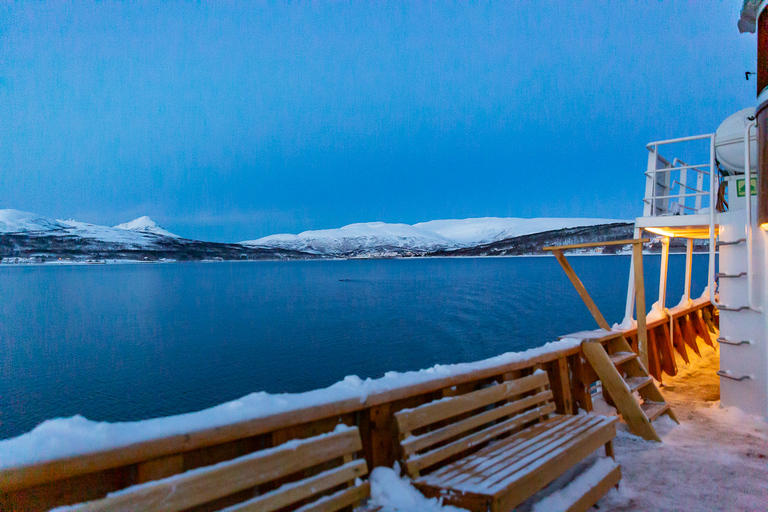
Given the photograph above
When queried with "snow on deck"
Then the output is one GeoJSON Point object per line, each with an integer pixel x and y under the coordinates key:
{"type": "Point", "coordinates": [716, 459]}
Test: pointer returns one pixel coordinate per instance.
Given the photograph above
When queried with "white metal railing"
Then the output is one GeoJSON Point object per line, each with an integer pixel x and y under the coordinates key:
{"type": "Point", "coordinates": [667, 182]}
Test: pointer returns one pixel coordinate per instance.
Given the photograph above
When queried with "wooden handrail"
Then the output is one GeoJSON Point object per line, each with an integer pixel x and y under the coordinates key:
{"type": "Point", "coordinates": [597, 244]}
{"type": "Point", "coordinates": [49, 471]}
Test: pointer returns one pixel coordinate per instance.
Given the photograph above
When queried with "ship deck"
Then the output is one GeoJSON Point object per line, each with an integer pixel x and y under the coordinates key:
{"type": "Point", "coordinates": [716, 459]}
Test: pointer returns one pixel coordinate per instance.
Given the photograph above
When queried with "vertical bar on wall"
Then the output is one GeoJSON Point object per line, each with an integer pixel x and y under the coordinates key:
{"type": "Point", "coordinates": [688, 267]}
{"type": "Point", "coordinates": [712, 234]}
{"type": "Point", "coordinates": [663, 272]}
{"type": "Point", "coordinates": [642, 330]}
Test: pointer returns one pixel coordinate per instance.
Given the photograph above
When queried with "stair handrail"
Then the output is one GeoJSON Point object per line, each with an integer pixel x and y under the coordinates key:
{"type": "Point", "coordinates": [748, 193]}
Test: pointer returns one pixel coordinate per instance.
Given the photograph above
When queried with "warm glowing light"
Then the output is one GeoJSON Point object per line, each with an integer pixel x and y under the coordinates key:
{"type": "Point", "coordinates": [698, 232]}
{"type": "Point", "coordinates": [764, 225]}
{"type": "Point", "coordinates": [660, 231]}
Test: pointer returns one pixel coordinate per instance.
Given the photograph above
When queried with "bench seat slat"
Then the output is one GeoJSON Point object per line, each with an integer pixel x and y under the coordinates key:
{"type": "Point", "coordinates": [497, 459]}
{"type": "Point", "coordinates": [521, 440]}
{"type": "Point", "coordinates": [411, 419]}
{"type": "Point", "coordinates": [414, 444]}
{"type": "Point", "coordinates": [339, 500]}
{"type": "Point", "coordinates": [303, 489]}
{"type": "Point", "coordinates": [529, 461]}
{"type": "Point", "coordinates": [206, 484]}
{"type": "Point", "coordinates": [420, 461]}
{"type": "Point", "coordinates": [515, 491]}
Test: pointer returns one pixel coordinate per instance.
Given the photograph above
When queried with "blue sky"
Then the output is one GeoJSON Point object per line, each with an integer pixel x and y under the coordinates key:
{"type": "Point", "coordinates": [231, 121]}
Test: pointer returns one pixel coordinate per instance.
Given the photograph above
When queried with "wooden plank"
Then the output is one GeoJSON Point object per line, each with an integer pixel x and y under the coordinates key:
{"type": "Point", "coordinates": [207, 484]}
{"type": "Point", "coordinates": [642, 332]}
{"type": "Point", "coordinates": [688, 336]}
{"type": "Point", "coordinates": [620, 393]}
{"type": "Point", "coordinates": [549, 469]}
{"type": "Point", "coordinates": [159, 468]}
{"type": "Point", "coordinates": [415, 444]}
{"type": "Point", "coordinates": [576, 282]}
{"type": "Point", "coordinates": [654, 365]}
{"type": "Point", "coordinates": [383, 433]}
{"type": "Point", "coordinates": [411, 419]}
{"type": "Point", "coordinates": [534, 434]}
{"type": "Point", "coordinates": [419, 462]}
{"type": "Point", "coordinates": [560, 383]}
{"type": "Point", "coordinates": [600, 489]}
{"type": "Point", "coordinates": [668, 363]}
{"type": "Point", "coordinates": [701, 327]}
{"type": "Point", "coordinates": [292, 493]}
{"type": "Point", "coordinates": [339, 500]}
{"type": "Point", "coordinates": [631, 241]}
{"type": "Point", "coordinates": [579, 385]}
{"type": "Point", "coordinates": [678, 341]}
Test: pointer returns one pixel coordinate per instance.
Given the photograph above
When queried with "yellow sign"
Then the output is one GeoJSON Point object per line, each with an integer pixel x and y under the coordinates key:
{"type": "Point", "coordinates": [740, 187]}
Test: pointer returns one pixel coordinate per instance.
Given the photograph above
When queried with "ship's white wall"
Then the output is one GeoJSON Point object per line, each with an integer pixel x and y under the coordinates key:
{"type": "Point", "coordinates": [750, 395]}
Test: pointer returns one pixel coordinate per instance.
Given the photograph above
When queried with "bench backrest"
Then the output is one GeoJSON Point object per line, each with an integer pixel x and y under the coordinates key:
{"type": "Point", "coordinates": [331, 454]}
{"type": "Point", "coordinates": [434, 432]}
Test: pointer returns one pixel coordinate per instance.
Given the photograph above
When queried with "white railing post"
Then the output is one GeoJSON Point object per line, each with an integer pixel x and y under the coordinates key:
{"type": "Point", "coordinates": [663, 272]}
{"type": "Point", "coordinates": [630, 307]}
{"type": "Point", "coordinates": [688, 267]}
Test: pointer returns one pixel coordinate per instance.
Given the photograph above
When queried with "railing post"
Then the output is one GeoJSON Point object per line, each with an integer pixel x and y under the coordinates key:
{"type": "Point", "coordinates": [630, 306]}
{"type": "Point", "coordinates": [688, 267]}
{"type": "Point", "coordinates": [663, 272]}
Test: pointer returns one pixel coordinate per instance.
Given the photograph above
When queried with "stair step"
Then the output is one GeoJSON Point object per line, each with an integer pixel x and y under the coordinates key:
{"type": "Point", "coordinates": [636, 383]}
{"type": "Point", "coordinates": [654, 409]}
{"type": "Point", "coordinates": [621, 357]}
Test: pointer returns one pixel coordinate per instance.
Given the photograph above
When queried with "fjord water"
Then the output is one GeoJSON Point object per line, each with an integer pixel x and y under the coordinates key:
{"type": "Point", "coordinates": [135, 341]}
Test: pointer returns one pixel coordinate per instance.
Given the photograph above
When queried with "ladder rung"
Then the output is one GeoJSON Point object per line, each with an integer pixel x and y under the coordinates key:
{"type": "Point", "coordinates": [621, 357]}
{"type": "Point", "coordinates": [636, 383]}
{"type": "Point", "coordinates": [740, 240]}
{"type": "Point", "coordinates": [654, 409]}
{"type": "Point", "coordinates": [729, 342]}
{"type": "Point", "coordinates": [721, 274]}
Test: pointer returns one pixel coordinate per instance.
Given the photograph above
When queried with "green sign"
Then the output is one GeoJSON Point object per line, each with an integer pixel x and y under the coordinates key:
{"type": "Point", "coordinates": [740, 187]}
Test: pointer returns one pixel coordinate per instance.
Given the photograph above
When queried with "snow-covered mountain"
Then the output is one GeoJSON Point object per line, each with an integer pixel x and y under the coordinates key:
{"type": "Point", "coordinates": [26, 237]}
{"type": "Point", "coordinates": [378, 238]}
{"type": "Point", "coordinates": [370, 237]}
{"type": "Point", "coordinates": [483, 230]}
{"type": "Point", "coordinates": [145, 225]}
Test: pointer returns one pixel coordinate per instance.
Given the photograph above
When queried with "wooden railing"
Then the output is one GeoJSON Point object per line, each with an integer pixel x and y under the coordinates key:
{"type": "Point", "coordinates": [89, 476]}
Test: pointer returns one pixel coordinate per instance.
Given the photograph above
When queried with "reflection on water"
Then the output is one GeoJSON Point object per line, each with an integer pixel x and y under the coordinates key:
{"type": "Point", "coordinates": [127, 342]}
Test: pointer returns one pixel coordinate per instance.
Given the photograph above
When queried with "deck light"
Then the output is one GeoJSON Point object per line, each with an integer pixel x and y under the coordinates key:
{"type": "Point", "coordinates": [661, 231]}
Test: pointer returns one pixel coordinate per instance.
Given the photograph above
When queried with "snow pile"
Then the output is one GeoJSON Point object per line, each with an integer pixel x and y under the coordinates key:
{"type": "Point", "coordinates": [424, 236]}
{"type": "Point", "coordinates": [15, 221]}
{"type": "Point", "coordinates": [64, 437]}
{"type": "Point", "coordinates": [394, 493]}
{"type": "Point", "coordinates": [145, 225]}
{"type": "Point", "coordinates": [563, 498]}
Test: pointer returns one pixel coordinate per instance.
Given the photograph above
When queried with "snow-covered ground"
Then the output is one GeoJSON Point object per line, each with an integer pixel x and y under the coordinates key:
{"type": "Point", "coordinates": [421, 237]}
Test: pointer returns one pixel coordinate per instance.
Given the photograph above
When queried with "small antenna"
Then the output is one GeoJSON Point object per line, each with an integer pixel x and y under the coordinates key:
{"type": "Point", "coordinates": [747, 73]}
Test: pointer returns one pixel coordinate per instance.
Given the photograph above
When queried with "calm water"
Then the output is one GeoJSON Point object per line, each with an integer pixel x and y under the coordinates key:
{"type": "Point", "coordinates": [127, 342]}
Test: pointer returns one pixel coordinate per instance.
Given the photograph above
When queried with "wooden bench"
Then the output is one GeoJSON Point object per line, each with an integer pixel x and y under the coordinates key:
{"type": "Point", "coordinates": [494, 448]}
{"type": "Point", "coordinates": [328, 458]}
